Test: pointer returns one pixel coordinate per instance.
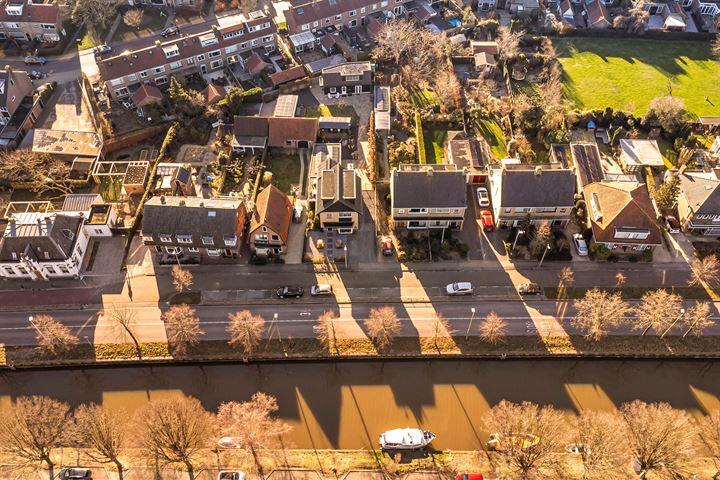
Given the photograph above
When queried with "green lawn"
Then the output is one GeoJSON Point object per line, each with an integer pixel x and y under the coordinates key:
{"type": "Point", "coordinates": [323, 110]}
{"type": "Point", "coordinates": [285, 168]}
{"type": "Point", "coordinates": [434, 145]}
{"type": "Point", "coordinates": [423, 98]}
{"type": "Point", "coordinates": [494, 136]}
{"type": "Point", "coordinates": [627, 74]}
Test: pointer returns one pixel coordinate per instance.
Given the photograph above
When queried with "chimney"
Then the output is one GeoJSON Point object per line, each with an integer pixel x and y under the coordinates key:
{"type": "Point", "coordinates": [48, 224]}
{"type": "Point", "coordinates": [8, 69]}
{"type": "Point", "coordinates": [162, 199]}
{"type": "Point", "coordinates": [39, 225]}
{"type": "Point", "coordinates": [13, 228]}
{"type": "Point", "coordinates": [202, 204]}
{"type": "Point", "coordinates": [538, 171]}
{"type": "Point", "coordinates": [182, 203]}
{"type": "Point", "coordinates": [430, 171]}
{"type": "Point", "coordinates": [157, 43]}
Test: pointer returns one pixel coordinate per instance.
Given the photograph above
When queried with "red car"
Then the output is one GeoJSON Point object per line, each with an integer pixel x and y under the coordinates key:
{"type": "Point", "coordinates": [386, 246]}
{"type": "Point", "coordinates": [487, 221]}
{"type": "Point", "coordinates": [469, 476]}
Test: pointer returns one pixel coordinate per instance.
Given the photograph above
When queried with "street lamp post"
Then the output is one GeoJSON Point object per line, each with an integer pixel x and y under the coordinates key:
{"type": "Point", "coordinates": [472, 317]}
{"type": "Point", "coordinates": [681, 313]}
{"type": "Point", "coordinates": [30, 318]}
{"type": "Point", "coordinates": [543, 256]}
{"type": "Point", "coordinates": [345, 250]}
{"type": "Point", "coordinates": [519, 232]}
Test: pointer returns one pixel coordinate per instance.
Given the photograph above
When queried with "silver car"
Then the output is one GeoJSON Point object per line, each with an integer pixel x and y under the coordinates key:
{"type": "Point", "coordinates": [459, 288]}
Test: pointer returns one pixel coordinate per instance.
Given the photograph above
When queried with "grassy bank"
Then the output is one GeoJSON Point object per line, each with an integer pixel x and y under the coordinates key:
{"type": "Point", "coordinates": [530, 345]}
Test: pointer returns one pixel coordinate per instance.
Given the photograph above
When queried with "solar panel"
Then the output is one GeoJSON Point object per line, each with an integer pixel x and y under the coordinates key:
{"type": "Point", "coordinates": [285, 106]}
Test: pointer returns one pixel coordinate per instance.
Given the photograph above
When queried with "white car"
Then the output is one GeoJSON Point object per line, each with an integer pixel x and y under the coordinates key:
{"type": "Point", "coordinates": [321, 289]}
{"type": "Point", "coordinates": [483, 197]}
{"type": "Point", "coordinates": [459, 288]}
{"type": "Point", "coordinates": [580, 245]}
{"type": "Point", "coordinates": [231, 475]}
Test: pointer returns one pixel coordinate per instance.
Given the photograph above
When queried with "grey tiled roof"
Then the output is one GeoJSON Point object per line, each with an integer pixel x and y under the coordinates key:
{"type": "Point", "coordinates": [528, 188]}
{"type": "Point", "coordinates": [429, 190]}
{"type": "Point", "coordinates": [51, 239]}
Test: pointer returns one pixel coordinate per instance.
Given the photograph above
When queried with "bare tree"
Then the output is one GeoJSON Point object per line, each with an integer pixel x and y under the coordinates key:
{"type": "Point", "coordinates": [658, 310]}
{"type": "Point", "coordinates": [708, 432]}
{"type": "Point", "coordinates": [94, 13]}
{"type": "Point", "coordinates": [254, 425]}
{"type": "Point", "coordinates": [704, 271]}
{"type": "Point", "coordinates": [393, 40]}
{"type": "Point", "coordinates": [182, 278]}
{"type": "Point", "coordinates": [541, 239]}
{"type": "Point", "coordinates": [123, 317]}
{"type": "Point", "coordinates": [51, 335]}
{"type": "Point", "coordinates": [715, 47]}
{"type": "Point", "coordinates": [32, 428]}
{"type": "Point", "coordinates": [493, 328]}
{"type": "Point", "coordinates": [326, 332]}
{"type": "Point", "coordinates": [440, 328]}
{"type": "Point", "coordinates": [508, 42]}
{"type": "Point", "coordinates": [527, 437]}
{"type": "Point", "coordinates": [600, 441]}
{"type": "Point", "coordinates": [102, 432]}
{"type": "Point", "coordinates": [667, 112]}
{"type": "Point", "coordinates": [597, 312]}
{"type": "Point", "coordinates": [697, 319]}
{"type": "Point", "coordinates": [39, 172]}
{"type": "Point", "coordinates": [175, 431]}
{"type": "Point", "coordinates": [661, 438]}
{"type": "Point", "coordinates": [566, 277]}
{"type": "Point", "coordinates": [133, 17]}
{"type": "Point", "coordinates": [383, 325]}
{"type": "Point", "coordinates": [246, 330]}
{"type": "Point", "coordinates": [183, 327]}
{"type": "Point", "coordinates": [447, 88]}
{"type": "Point", "coordinates": [620, 279]}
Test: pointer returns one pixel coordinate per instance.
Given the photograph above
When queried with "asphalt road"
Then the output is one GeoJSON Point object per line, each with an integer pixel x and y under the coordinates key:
{"type": "Point", "coordinates": [297, 320]}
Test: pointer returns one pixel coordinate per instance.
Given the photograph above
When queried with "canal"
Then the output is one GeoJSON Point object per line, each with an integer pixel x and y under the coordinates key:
{"type": "Point", "coordinates": [346, 405]}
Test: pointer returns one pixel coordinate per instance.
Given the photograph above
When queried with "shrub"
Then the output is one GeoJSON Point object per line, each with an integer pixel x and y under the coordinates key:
{"type": "Point", "coordinates": [647, 255]}
{"type": "Point", "coordinates": [600, 251]}
{"type": "Point", "coordinates": [422, 156]}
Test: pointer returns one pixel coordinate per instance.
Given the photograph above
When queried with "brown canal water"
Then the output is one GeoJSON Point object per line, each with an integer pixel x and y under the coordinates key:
{"type": "Point", "coordinates": [347, 405]}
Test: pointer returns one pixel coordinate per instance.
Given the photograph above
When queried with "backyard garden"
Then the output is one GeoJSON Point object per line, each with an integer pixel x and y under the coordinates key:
{"type": "Point", "coordinates": [626, 75]}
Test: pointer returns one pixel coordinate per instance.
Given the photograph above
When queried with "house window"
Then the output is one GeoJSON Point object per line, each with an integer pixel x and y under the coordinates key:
{"type": "Point", "coordinates": [147, 238]}
{"type": "Point", "coordinates": [546, 210]}
{"type": "Point", "coordinates": [10, 271]}
{"type": "Point", "coordinates": [193, 249]}
{"type": "Point", "coordinates": [231, 49]}
{"type": "Point", "coordinates": [353, 13]}
{"type": "Point", "coordinates": [159, 69]}
{"type": "Point", "coordinates": [418, 210]}
{"type": "Point", "coordinates": [22, 270]}
{"type": "Point", "coordinates": [383, 4]}
{"type": "Point", "coordinates": [230, 241]}
{"type": "Point", "coordinates": [132, 77]}
{"type": "Point", "coordinates": [190, 61]}
{"type": "Point", "coordinates": [165, 238]}
{"type": "Point", "coordinates": [523, 210]}
{"type": "Point", "coordinates": [171, 51]}
{"type": "Point", "coordinates": [352, 78]}
{"type": "Point", "coordinates": [122, 92]}
{"type": "Point", "coordinates": [254, 42]}
{"type": "Point", "coordinates": [161, 80]}
{"type": "Point", "coordinates": [47, 26]}
{"type": "Point", "coordinates": [316, 23]}
{"type": "Point", "coordinates": [216, 64]}
{"type": "Point", "coordinates": [338, 17]}
{"type": "Point", "coordinates": [116, 81]}
{"type": "Point", "coordinates": [333, 89]}
{"type": "Point", "coordinates": [50, 269]}
{"type": "Point", "coordinates": [63, 269]}
{"type": "Point", "coordinates": [176, 65]}
{"type": "Point", "coordinates": [305, 27]}
{"type": "Point", "coordinates": [184, 238]}
{"type": "Point", "coordinates": [362, 10]}
{"type": "Point", "coordinates": [345, 215]}
{"type": "Point", "coordinates": [214, 53]}
{"type": "Point", "coordinates": [98, 231]}
{"type": "Point", "coordinates": [207, 40]}
{"type": "Point", "coordinates": [143, 74]}
{"type": "Point", "coordinates": [208, 240]}
{"type": "Point", "coordinates": [201, 57]}
{"type": "Point", "coordinates": [261, 237]}
{"type": "Point", "coordinates": [327, 21]}
{"type": "Point", "coordinates": [353, 23]}
{"type": "Point", "coordinates": [243, 45]}
{"type": "Point", "coordinates": [374, 6]}
{"type": "Point", "coordinates": [275, 238]}
{"type": "Point", "coordinates": [213, 252]}
{"type": "Point", "coordinates": [267, 39]}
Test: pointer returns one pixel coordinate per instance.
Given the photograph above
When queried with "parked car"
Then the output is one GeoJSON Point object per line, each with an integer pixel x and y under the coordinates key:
{"type": "Point", "coordinates": [231, 475]}
{"type": "Point", "coordinates": [297, 212]}
{"type": "Point", "coordinates": [469, 476]}
{"type": "Point", "coordinates": [35, 60]}
{"type": "Point", "coordinates": [35, 74]}
{"type": "Point", "coordinates": [170, 31]}
{"type": "Point", "coordinates": [386, 245]}
{"type": "Point", "coordinates": [321, 289]}
{"type": "Point", "coordinates": [483, 197]}
{"type": "Point", "coordinates": [459, 288]}
{"type": "Point", "coordinates": [580, 245]}
{"type": "Point", "coordinates": [75, 474]}
{"type": "Point", "coordinates": [529, 289]}
{"type": "Point", "coordinates": [290, 291]}
{"type": "Point", "coordinates": [102, 49]}
{"type": "Point", "coordinates": [672, 224]}
{"type": "Point", "coordinates": [128, 105]}
{"type": "Point", "coordinates": [487, 221]}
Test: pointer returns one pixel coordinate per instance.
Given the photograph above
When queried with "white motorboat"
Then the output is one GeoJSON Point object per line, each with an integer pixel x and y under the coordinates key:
{"type": "Point", "coordinates": [406, 439]}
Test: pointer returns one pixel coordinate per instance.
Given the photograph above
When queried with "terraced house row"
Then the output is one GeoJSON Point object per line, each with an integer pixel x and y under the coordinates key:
{"type": "Point", "coordinates": [230, 41]}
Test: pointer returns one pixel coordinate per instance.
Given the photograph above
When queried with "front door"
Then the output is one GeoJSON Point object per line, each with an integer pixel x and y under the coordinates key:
{"type": "Point", "coordinates": [358, 88]}
{"type": "Point", "coordinates": [203, 68]}
{"type": "Point", "coordinates": [343, 90]}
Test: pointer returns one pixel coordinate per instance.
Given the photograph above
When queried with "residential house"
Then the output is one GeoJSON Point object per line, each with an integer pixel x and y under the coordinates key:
{"type": "Point", "coordinates": [40, 243]}
{"type": "Point", "coordinates": [485, 55]}
{"type": "Point", "coordinates": [334, 128]}
{"type": "Point", "coordinates": [173, 179]}
{"type": "Point", "coordinates": [206, 52]}
{"type": "Point", "coordinates": [335, 190]}
{"type": "Point", "coordinates": [698, 202]}
{"type": "Point", "coordinates": [14, 87]}
{"type": "Point", "coordinates": [622, 216]}
{"type": "Point", "coordinates": [254, 134]}
{"type": "Point", "coordinates": [566, 13]}
{"type": "Point", "coordinates": [596, 14]}
{"type": "Point", "coordinates": [636, 154]}
{"type": "Point", "coordinates": [347, 79]}
{"type": "Point", "coordinates": [705, 15]}
{"type": "Point", "coordinates": [213, 93]}
{"type": "Point", "coordinates": [270, 222]}
{"type": "Point", "coordinates": [321, 14]}
{"type": "Point", "coordinates": [286, 76]}
{"type": "Point", "coordinates": [544, 192]}
{"type": "Point", "coordinates": [146, 94]}
{"type": "Point", "coordinates": [28, 20]}
{"type": "Point", "coordinates": [428, 196]}
{"type": "Point", "coordinates": [194, 227]}
{"type": "Point", "coordinates": [587, 164]}
{"type": "Point", "coordinates": [469, 154]}
{"type": "Point", "coordinates": [77, 148]}
{"type": "Point", "coordinates": [667, 16]}
{"type": "Point", "coordinates": [526, 7]}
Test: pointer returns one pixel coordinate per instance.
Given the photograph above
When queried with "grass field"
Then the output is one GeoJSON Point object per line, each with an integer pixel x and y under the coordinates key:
{"type": "Point", "coordinates": [434, 145]}
{"type": "Point", "coordinates": [625, 74]}
{"type": "Point", "coordinates": [285, 168]}
{"type": "Point", "coordinates": [493, 135]}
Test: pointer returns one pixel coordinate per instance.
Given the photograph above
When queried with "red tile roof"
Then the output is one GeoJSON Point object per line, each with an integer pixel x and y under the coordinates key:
{"type": "Point", "coordinates": [255, 64]}
{"type": "Point", "coordinates": [213, 93]}
{"type": "Point", "coordinates": [273, 210]}
{"type": "Point", "coordinates": [33, 13]}
{"type": "Point", "coordinates": [284, 76]}
{"type": "Point", "coordinates": [146, 95]}
{"type": "Point", "coordinates": [293, 128]}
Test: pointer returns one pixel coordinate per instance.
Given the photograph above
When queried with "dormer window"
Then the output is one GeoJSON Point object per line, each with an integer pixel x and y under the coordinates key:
{"type": "Point", "coordinates": [171, 51]}
{"type": "Point", "coordinates": [14, 8]}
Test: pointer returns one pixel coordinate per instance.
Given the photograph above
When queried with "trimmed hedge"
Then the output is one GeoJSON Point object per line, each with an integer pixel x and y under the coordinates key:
{"type": "Point", "coordinates": [422, 155]}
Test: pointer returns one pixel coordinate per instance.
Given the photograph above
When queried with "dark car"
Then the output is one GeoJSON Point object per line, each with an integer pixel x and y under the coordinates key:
{"type": "Point", "coordinates": [170, 31]}
{"type": "Point", "coordinates": [529, 289]}
{"type": "Point", "coordinates": [35, 75]}
{"type": "Point", "coordinates": [75, 474]}
{"type": "Point", "coordinates": [35, 60]}
{"type": "Point", "coordinates": [290, 291]}
{"type": "Point", "coordinates": [102, 49]}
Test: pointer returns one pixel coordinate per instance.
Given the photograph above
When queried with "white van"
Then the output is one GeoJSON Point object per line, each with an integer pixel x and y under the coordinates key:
{"type": "Point", "coordinates": [321, 289]}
